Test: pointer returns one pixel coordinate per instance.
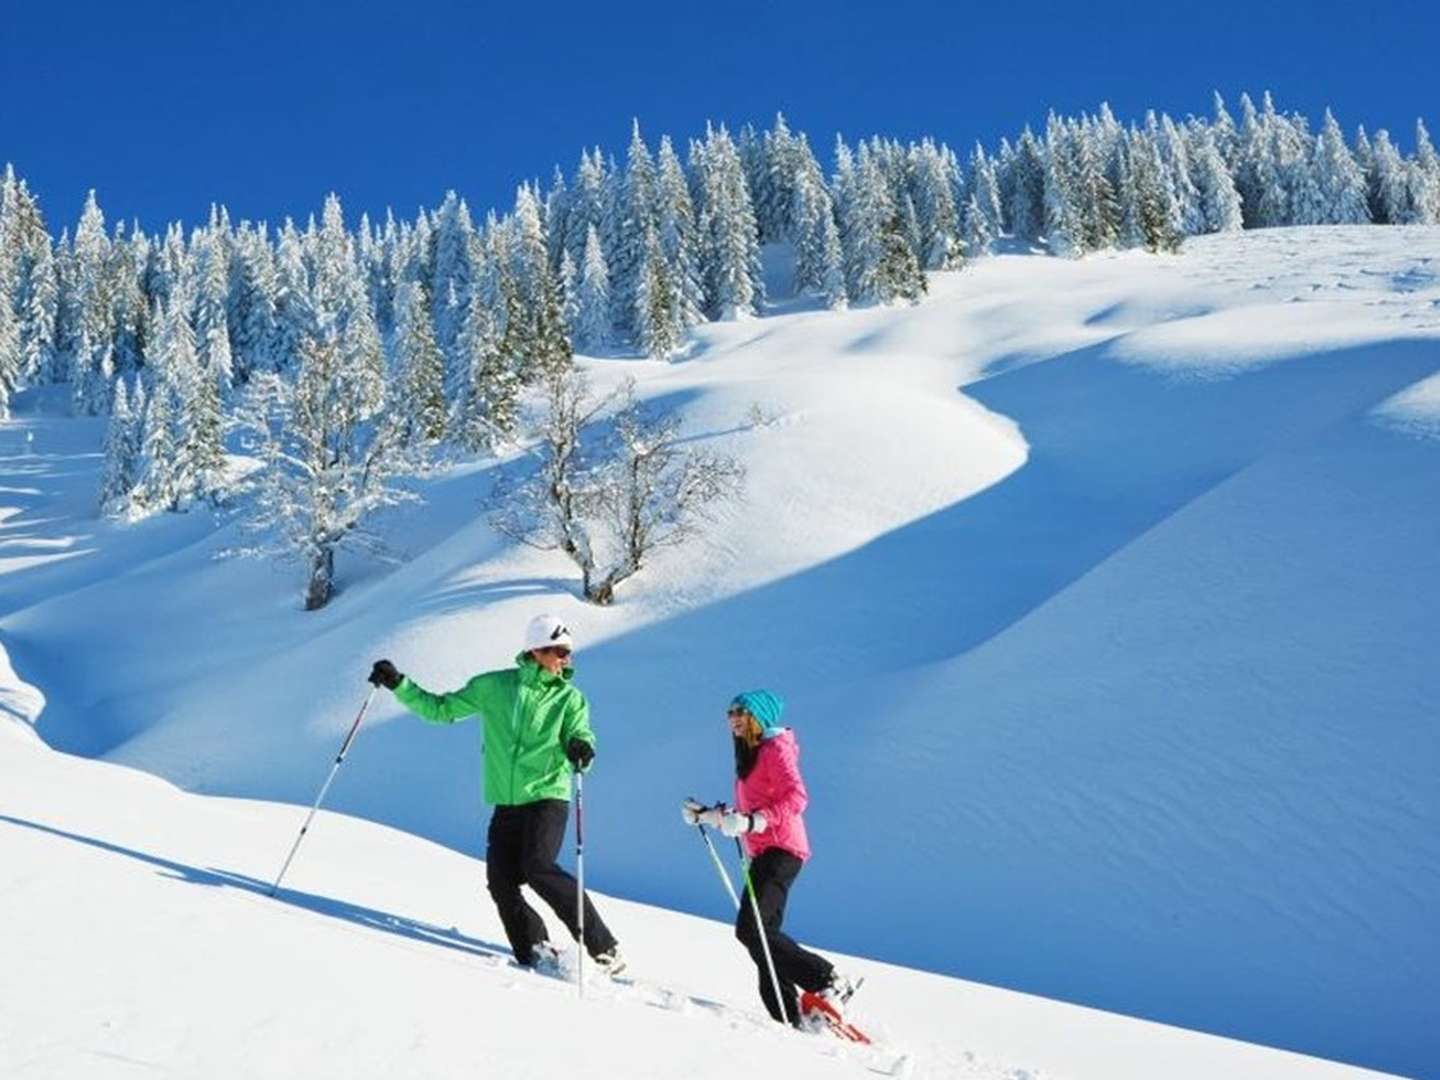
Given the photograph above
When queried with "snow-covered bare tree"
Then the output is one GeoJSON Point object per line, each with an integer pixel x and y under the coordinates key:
{"type": "Point", "coordinates": [656, 490]}
{"type": "Point", "coordinates": [609, 501]}
{"type": "Point", "coordinates": [329, 464]}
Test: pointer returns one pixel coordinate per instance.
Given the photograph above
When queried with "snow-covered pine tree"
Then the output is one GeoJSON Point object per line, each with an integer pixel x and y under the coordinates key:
{"type": "Point", "coordinates": [869, 212]}
{"type": "Point", "coordinates": [92, 362]}
{"type": "Point", "coordinates": [1156, 211]}
{"type": "Point", "coordinates": [555, 212]}
{"type": "Point", "coordinates": [488, 411]}
{"type": "Point", "coordinates": [898, 275]}
{"type": "Point", "coordinates": [518, 347]}
{"type": "Point", "coordinates": [1218, 199]}
{"type": "Point", "coordinates": [1005, 180]}
{"type": "Point", "coordinates": [11, 347]}
{"type": "Point", "coordinates": [910, 224]}
{"type": "Point", "coordinates": [554, 350]}
{"type": "Point", "coordinates": [129, 309]}
{"type": "Point", "coordinates": [198, 422]}
{"type": "Point", "coordinates": [657, 329]}
{"type": "Point", "coordinates": [593, 317]}
{"type": "Point", "coordinates": [842, 197]}
{"type": "Point", "coordinates": [155, 488]}
{"type": "Point", "coordinates": [1425, 178]}
{"type": "Point", "coordinates": [570, 294]}
{"type": "Point", "coordinates": [1099, 212]}
{"type": "Point", "coordinates": [118, 472]}
{"type": "Point", "coordinates": [295, 317]}
{"type": "Point", "coordinates": [1132, 230]}
{"type": "Point", "coordinates": [773, 184]}
{"type": "Point", "coordinates": [1309, 204]}
{"type": "Point", "coordinates": [730, 248]}
{"type": "Point", "coordinates": [27, 265]}
{"type": "Point", "coordinates": [978, 232]}
{"type": "Point", "coordinates": [1253, 165]}
{"type": "Point", "coordinates": [1340, 182]}
{"type": "Point", "coordinates": [1390, 183]}
{"type": "Point", "coordinates": [67, 311]}
{"type": "Point", "coordinates": [39, 304]}
{"type": "Point", "coordinates": [342, 315]}
{"type": "Point", "coordinates": [1064, 229]}
{"type": "Point", "coordinates": [812, 206]}
{"type": "Point", "coordinates": [421, 419]}
{"type": "Point", "coordinates": [251, 312]}
{"type": "Point", "coordinates": [451, 276]}
{"type": "Point", "coordinates": [635, 209]}
{"type": "Point", "coordinates": [212, 307]}
{"type": "Point", "coordinates": [985, 192]}
{"type": "Point", "coordinates": [934, 193]}
{"type": "Point", "coordinates": [587, 205]}
{"type": "Point", "coordinates": [12, 350]}
{"type": "Point", "coordinates": [1027, 206]}
{"type": "Point", "coordinates": [832, 287]}
{"type": "Point", "coordinates": [1178, 170]}
{"type": "Point", "coordinates": [679, 239]}
{"type": "Point", "coordinates": [1224, 133]}
{"type": "Point", "coordinates": [1291, 150]}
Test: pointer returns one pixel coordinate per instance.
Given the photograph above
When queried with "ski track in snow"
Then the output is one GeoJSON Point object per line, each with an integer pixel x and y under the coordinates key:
{"type": "Point", "coordinates": [1076, 577]}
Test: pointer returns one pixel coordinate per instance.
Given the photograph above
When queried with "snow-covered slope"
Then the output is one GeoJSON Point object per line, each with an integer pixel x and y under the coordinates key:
{"type": "Point", "coordinates": [1102, 594]}
{"type": "Point", "coordinates": [139, 939]}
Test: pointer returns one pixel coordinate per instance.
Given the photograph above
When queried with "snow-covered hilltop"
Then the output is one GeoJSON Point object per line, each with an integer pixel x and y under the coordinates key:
{"type": "Point", "coordinates": [1101, 592]}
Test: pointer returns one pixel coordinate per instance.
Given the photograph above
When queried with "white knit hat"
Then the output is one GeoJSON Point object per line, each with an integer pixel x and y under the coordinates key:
{"type": "Point", "coordinates": [547, 630]}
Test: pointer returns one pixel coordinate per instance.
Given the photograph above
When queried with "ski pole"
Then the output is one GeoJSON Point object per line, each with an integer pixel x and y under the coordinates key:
{"type": "Point", "coordinates": [719, 866]}
{"type": "Point", "coordinates": [760, 929]}
{"type": "Point", "coordinates": [580, 882]}
{"type": "Point", "coordinates": [349, 738]}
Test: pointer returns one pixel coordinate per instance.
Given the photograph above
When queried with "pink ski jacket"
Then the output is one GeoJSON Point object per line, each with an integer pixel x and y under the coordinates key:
{"type": "Point", "coordinates": [775, 788]}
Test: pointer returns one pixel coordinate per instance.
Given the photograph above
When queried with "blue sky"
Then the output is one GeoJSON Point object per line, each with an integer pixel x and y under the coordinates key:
{"type": "Point", "coordinates": [266, 106]}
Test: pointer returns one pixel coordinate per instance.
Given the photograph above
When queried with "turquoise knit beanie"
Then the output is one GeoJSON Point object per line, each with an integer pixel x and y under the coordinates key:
{"type": "Point", "coordinates": [766, 706]}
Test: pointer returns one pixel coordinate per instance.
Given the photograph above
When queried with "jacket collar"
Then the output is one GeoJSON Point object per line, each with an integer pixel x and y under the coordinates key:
{"type": "Point", "coordinates": [532, 674]}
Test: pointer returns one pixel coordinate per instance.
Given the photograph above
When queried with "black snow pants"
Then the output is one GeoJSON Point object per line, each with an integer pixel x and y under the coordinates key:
{"type": "Point", "coordinates": [521, 847]}
{"type": "Point", "coordinates": [773, 872]}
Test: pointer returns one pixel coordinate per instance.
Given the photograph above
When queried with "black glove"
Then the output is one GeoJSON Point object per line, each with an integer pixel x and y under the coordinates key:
{"type": "Point", "coordinates": [580, 752]}
{"type": "Point", "coordinates": [384, 674]}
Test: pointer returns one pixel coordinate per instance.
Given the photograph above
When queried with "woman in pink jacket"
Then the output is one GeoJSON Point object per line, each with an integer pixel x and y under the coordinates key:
{"type": "Point", "coordinates": [770, 800]}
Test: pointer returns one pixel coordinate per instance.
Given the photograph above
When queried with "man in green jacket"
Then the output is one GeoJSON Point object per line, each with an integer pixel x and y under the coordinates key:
{"type": "Point", "coordinates": [536, 731]}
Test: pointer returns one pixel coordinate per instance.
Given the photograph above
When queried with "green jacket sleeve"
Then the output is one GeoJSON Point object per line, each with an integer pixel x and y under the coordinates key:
{"type": "Point", "coordinates": [441, 708]}
{"type": "Point", "coordinates": [576, 722]}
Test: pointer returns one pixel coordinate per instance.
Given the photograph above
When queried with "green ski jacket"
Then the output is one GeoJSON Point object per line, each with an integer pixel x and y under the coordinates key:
{"type": "Point", "coordinates": [529, 716]}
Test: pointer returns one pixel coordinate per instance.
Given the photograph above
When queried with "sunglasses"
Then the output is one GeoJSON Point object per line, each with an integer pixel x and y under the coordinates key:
{"type": "Point", "coordinates": [737, 712]}
{"type": "Point", "coordinates": [562, 651]}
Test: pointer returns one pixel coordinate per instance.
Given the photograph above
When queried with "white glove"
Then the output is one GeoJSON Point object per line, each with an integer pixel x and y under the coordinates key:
{"type": "Point", "coordinates": [690, 812]}
{"type": "Point", "coordinates": [735, 822]}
